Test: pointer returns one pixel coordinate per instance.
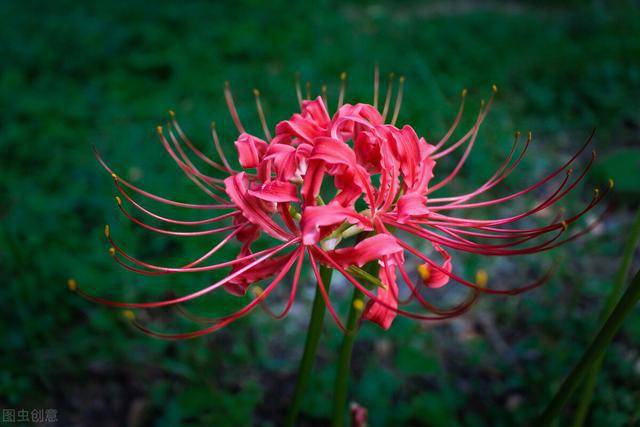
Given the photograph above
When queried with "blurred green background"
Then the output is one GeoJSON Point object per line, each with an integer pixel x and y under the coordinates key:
{"type": "Point", "coordinates": [80, 73]}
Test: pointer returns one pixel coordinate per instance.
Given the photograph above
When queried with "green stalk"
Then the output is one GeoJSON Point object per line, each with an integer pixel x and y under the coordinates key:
{"type": "Point", "coordinates": [618, 283]}
{"type": "Point", "coordinates": [344, 361]}
{"type": "Point", "coordinates": [310, 347]}
{"type": "Point", "coordinates": [597, 348]}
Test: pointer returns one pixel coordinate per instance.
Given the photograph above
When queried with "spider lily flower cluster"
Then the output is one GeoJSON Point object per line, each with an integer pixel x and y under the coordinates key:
{"type": "Point", "coordinates": [340, 190]}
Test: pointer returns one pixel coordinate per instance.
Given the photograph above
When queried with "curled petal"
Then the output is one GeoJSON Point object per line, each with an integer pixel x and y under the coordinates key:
{"type": "Point", "coordinates": [305, 127]}
{"type": "Point", "coordinates": [383, 315]}
{"type": "Point", "coordinates": [250, 150]}
{"type": "Point", "coordinates": [275, 191]}
{"type": "Point", "coordinates": [410, 205]}
{"type": "Point", "coordinates": [436, 278]}
{"type": "Point", "coordinates": [315, 217]}
{"type": "Point", "coordinates": [251, 207]}
{"type": "Point", "coordinates": [367, 149]}
{"type": "Point", "coordinates": [239, 284]}
{"type": "Point", "coordinates": [333, 152]}
{"type": "Point", "coordinates": [367, 250]}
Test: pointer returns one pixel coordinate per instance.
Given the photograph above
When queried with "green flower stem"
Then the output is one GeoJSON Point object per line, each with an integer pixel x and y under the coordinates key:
{"type": "Point", "coordinates": [618, 285]}
{"type": "Point", "coordinates": [310, 347]}
{"type": "Point", "coordinates": [597, 348]}
{"type": "Point", "coordinates": [341, 387]}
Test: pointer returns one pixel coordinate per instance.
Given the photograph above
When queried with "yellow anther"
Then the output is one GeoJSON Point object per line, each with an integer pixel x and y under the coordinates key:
{"type": "Point", "coordinates": [358, 304]}
{"type": "Point", "coordinates": [112, 251]}
{"type": "Point", "coordinates": [481, 103]}
{"type": "Point", "coordinates": [159, 130]}
{"type": "Point", "coordinates": [494, 88]}
{"type": "Point", "coordinates": [172, 114]}
{"type": "Point", "coordinates": [611, 183]}
{"type": "Point", "coordinates": [482, 278]}
{"type": "Point", "coordinates": [129, 315]}
{"type": "Point", "coordinates": [401, 79]}
{"type": "Point", "coordinates": [517, 134]}
{"type": "Point", "coordinates": [114, 176]}
{"type": "Point", "coordinates": [596, 191]}
{"type": "Point", "coordinates": [256, 92]}
{"type": "Point", "coordinates": [118, 200]}
{"type": "Point", "coordinates": [530, 136]}
{"type": "Point", "coordinates": [593, 153]}
{"type": "Point", "coordinates": [107, 231]}
{"type": "Point", "coordinates": [565, 225]}
{"type": "Point", "coordinates": [256, 291]}
{"type": "Point", "coordinates": [213, 125]}
{"type": "Point", "coordinates": [424, 271]}
{"type": "Point", "coordinates": [464, 92]}
{"type": "Point", "coordinates": [72, 285]}
{"type": "Point", "coordinates": [343, 75]}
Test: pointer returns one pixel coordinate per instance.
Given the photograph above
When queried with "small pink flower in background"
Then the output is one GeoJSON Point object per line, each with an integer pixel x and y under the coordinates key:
{"type": "Point", "coordinates": [359, 415]}
{"type": "Point", "coordinates": [344, 190]}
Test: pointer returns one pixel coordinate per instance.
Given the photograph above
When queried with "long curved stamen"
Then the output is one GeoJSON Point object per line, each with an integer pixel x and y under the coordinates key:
{"type": "Point", "coordinates": [549, 201]}
{"type": "Point", "coordinates": [369, 294]}
{"type": "Point", "coordinates": [343, 88]}
{"type": "Point", "coordinates": [491, 249]}
{"type": "Point", "coordinates": [192, 174]}
{"type": "Point", "coordinates": [500, 175]}
{"type": "Point", "coordinates": [455, 310]}
{"type": "Point", "coordinates": [208, 179]}
{"type": "Point", "coordinates": [170, 220]}
{"type": "Point", "coordinates": [216, 143]}
{"type": "Point", "coordinates": [188, 297]}
{"type": "Point", "coordinates": [484, 110]}
{"type": "Point", "coordinates": [376, 85]}
{"type": "Point", "coordinates": [296, 83]}
{"type": "Point", "coordinates": [227, 319]}
{"type": "Point", "coordinates": [261, 255]}
{"type": "Point", "coordinates": [292, 293]}
{"type": "Point", "coordinates": [263, 119]}
{"type": "Point", "coordinates": [467, 283]}
{"type": "Point", "coordinates": [533, 231]}
{"type": "Point", "coordinates": [152, 196]}
{"type": "Point", "coordinates": [192, 147]}
{"type": "Point", "coordinates": [461, 163]}
{"type": "Point", "coordinates": [325, 97]}
{"type": "Point", "coordinates": [584, 231]}
{"type": "Point", "coordinates": [193, 263]}
{"type": "Point", "coordinates": [556, 196]}
{"type": "Point", "coordinates": [552, 174]}
{"type": "Point", "coordinates": [323, 291]}
{"type": "Point", "coordinates": [215, 249]}
{"type": "Point", "coordinates": [174, 233]}
{"type": "Point", "coordinates": [387, 98]}
{"type": "Point", "coordinates": [454, 125]}
{"type": "Point", "coordinates": [398, 103]}
{"type": "Point", "coordinates": [228, 96]}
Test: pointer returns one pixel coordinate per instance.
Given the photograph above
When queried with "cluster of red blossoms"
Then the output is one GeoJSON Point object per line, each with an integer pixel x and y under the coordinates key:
{"type": "Point", "coordinates": [339, 190]}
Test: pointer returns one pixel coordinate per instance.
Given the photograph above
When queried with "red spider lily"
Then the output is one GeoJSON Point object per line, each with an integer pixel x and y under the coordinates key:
{"type": "Point", "coordinates": [339, 190]}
